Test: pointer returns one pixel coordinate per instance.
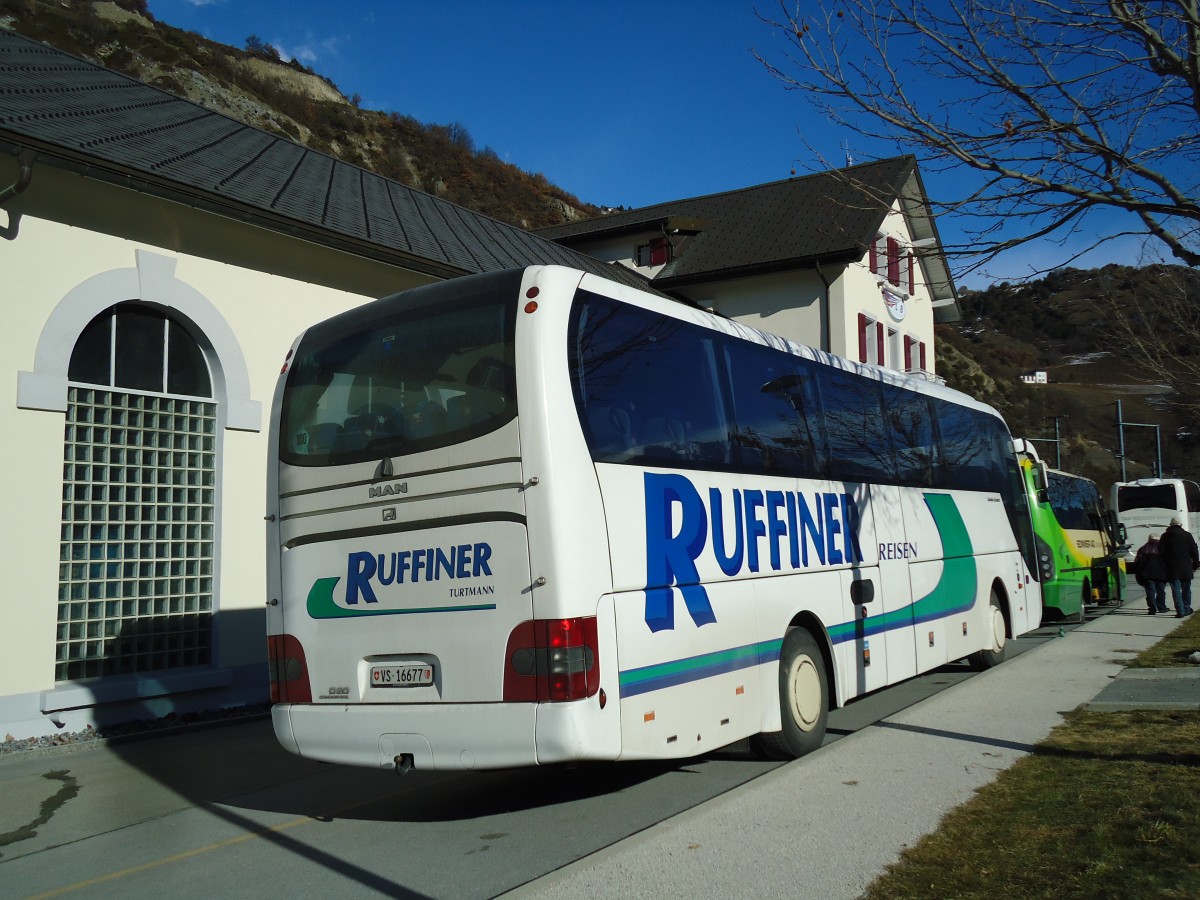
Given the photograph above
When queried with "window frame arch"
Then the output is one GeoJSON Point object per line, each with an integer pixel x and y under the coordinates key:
{"type": "Point", "coordinates": [151, 281]}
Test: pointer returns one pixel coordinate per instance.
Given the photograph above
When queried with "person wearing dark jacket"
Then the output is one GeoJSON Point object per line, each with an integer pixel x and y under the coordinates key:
{"type": "Point", "coordinates": [1151, 572]}
{"type": "Point", "coordinates": [1178, 551]}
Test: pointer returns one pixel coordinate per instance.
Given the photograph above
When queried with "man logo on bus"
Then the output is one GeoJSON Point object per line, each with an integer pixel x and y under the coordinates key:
{"type": "Point", "coordinates": [822, 526]}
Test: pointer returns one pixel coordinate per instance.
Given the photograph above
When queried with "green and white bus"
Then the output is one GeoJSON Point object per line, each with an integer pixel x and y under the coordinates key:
{"type": "Point", "coordinates": [1077, 540]}
{"type": "Point", "coordinates": [535, 516]}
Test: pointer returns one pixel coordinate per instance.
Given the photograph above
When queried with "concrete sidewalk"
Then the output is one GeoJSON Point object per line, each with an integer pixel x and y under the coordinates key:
{"type": "Point", "coordinates": [826, 826]}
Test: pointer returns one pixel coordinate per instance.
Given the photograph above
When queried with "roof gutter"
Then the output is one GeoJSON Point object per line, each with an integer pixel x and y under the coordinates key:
{"type": "Point", "coordinates": [25, 159]}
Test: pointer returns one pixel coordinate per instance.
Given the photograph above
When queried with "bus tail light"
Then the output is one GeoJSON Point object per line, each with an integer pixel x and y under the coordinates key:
{"type": "Point", "coordinates": [289, 670]}
{"type": "Point", "coordinates": [552, 660]}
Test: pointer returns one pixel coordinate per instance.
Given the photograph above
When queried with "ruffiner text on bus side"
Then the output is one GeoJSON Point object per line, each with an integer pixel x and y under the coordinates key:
{"type": "Point", "coordinates": [798, 529]}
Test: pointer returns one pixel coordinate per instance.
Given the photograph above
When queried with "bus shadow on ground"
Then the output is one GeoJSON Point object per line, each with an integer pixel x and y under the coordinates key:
{"type": "Point", "coordinates": [223, 758]}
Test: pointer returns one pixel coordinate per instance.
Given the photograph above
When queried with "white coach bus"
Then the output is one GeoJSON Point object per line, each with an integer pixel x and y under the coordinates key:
{"type": "Point", "coordinates": [536, 516]}
{"type": "Point", "coordinates": [1148, 505]}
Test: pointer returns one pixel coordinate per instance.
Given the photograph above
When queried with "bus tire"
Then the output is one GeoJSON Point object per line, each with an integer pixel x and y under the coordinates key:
{"type": "Point", "coordinates": [982, 660]}
{"type": "Point", "coordinates": [803, 700]}
{"type": "Point", "coordinates": [1084, 596]}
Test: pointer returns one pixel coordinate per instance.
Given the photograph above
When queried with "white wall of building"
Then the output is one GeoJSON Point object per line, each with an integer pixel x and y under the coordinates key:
{"type": "Point", "coordinates": [790, 304]}
{"type": "Point", "coordinates": [860, 291]}
{"type": "Point", "coordinates": [57, 276]}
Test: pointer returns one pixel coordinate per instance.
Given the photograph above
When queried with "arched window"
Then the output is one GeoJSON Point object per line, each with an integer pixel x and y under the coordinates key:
{"type": "Point", "coordinates": [139, 491]}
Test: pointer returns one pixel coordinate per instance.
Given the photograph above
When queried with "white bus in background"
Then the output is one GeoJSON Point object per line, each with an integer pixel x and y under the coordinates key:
{"type": "Point", "coordinates": [1146, 507]}
{"type": "Point", "coordinates": [535, 516]}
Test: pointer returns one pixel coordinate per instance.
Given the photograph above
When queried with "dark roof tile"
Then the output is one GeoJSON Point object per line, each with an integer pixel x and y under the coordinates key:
{"type": "Point", "coordinates": [825, 216]}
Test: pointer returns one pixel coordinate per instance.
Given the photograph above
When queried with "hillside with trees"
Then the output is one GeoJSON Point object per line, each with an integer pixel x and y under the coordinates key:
{"type": "Point", "coordinates": [255, 86]}
{"type": "Point", "coordinates": [1080, 327]}
{"type": "Point", "coordinates": [1116, 333]}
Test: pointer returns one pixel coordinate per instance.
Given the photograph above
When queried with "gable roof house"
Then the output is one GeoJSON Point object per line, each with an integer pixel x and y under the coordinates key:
{"type": "Point", "coordinates": [159, 258]}
{"type": "Point", "coordinates": [847, 260]}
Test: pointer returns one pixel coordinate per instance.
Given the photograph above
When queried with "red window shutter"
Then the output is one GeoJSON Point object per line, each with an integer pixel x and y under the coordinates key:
{"type": "Point", "coordinates": [907, 353]}
{"type": "Point", "coordinates": [893, 261]}
{"type": "Point", "coordinates": [923, 367]}
{"type": "Point", "coordinates": [912, 273]}
{"type": "Point", "coordinates": [659, 252]}
{"type": "Point", "coordinates": [879, 343]}
{"type": "Point", "coordinates": [862, 337]}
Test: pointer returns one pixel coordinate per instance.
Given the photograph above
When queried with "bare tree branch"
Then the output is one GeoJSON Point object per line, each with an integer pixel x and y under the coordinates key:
{"type": "Point", "coordinates": [1048, 110]}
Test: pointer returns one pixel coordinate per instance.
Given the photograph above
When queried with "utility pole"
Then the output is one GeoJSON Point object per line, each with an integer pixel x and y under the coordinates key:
{"type": "Point", "coordinates": [1122, 425]}
{"type": "Point", "coordinates": [1057, 442]}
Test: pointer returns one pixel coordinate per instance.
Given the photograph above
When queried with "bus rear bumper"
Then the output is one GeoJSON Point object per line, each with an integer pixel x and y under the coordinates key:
{"type": "Point", "coordinates": [443, 736]}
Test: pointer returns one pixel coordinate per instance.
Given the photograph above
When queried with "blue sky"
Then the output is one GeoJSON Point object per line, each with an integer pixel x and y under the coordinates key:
{"type": "Point", "coordinates": [620, 103]}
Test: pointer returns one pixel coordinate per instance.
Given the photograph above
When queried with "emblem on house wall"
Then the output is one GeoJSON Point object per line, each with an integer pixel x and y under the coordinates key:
{"type": "Point", "coordinates": [896, 306]}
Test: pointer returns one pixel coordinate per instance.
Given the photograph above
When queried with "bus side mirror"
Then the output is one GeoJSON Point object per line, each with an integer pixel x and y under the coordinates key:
{"type": "Point", "coordinates": [1041, 479]}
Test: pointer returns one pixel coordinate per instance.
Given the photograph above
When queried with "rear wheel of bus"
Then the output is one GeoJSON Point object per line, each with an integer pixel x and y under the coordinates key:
{"type": "Point", "coordinates": [998, 632]}
{"type": "Point", "coordinates": [803, 700]}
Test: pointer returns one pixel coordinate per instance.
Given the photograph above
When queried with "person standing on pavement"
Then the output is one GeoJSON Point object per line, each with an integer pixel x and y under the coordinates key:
{"type": "Point", "coordinates": [1179, 552]}
{"type": "Point", "coordinates": [1151, 572]}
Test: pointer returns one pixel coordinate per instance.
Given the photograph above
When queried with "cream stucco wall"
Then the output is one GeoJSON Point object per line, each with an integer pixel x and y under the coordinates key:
{"type": "Point", "coordinates": [790, 304]}
{"type": "Point", "coordinates": [56, 276]}
{"type": "Point", "coordinates": [859, 291]}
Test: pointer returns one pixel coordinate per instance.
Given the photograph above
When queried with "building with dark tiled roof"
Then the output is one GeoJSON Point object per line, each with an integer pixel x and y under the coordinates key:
{"type": "Point", "coordinates": [159, 258]}
{"type": "Point", "coordinates": [847, 260]}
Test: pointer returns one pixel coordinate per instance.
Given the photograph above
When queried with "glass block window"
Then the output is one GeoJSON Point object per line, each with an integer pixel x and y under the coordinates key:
{"type": "Point", "coordinates": [138, 502]}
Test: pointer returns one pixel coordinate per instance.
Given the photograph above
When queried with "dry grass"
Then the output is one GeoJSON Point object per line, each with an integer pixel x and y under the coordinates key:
{"type": "Point", "coordinates": [1108, 806]}
{"type": "Point", "coordinates": [1174, 649]}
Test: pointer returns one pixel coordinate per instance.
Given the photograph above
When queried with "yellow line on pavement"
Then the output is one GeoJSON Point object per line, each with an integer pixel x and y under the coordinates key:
{"type": "Point", "coordinates": [166, 860]}
{"type": "Point", "coordinates": [188, 854]}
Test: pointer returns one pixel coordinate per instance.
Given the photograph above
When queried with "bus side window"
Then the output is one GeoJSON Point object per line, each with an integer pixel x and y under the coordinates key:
{"type": "Point", "coordinates": [860, 446]}
{"type": "Point", "coordinates": [774, 410]}
{"type": "Point", "coordinates": [970, 458]}
{"type": "Point", "coordinates": [610, 432]}
{"type": "Point", "coordinates": [645, 386]}
{"type": "Point", "coordinates": [913, 438]}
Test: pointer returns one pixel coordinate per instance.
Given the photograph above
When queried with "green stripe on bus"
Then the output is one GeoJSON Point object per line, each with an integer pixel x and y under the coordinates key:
{"type": "Point", "coordinates": [321, 605]}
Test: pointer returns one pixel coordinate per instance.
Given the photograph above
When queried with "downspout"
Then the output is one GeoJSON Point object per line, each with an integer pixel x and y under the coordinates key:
{"type": "Point", "coordinates": [24, 175]}
{"type": "Point", "coordinates": [826, 339]}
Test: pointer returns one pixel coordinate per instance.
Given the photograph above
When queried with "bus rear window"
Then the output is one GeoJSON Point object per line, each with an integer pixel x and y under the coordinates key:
{"type": "Point", "coordinates": [413, 379]}
{"type": "Point", "coordinates": [1155, 496]}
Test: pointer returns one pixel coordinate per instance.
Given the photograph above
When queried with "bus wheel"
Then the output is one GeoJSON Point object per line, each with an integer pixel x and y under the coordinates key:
{"type": "Point", "coordinates": [803, 700]}
{"type": "Point", "coordinates": [993, 655]}
{"type": "Point", "coordinates": [1084, 597]}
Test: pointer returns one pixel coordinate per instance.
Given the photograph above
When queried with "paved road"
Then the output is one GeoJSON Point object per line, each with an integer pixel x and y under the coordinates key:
{"type": "Point", "coordinates": [826, 826]}
{"type": "Point", "coordinates": [226, 811]}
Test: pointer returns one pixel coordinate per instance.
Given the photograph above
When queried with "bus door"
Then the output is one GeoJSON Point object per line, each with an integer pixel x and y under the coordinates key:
{"type": "Point", "coordinates": [878, 594]}
{"type": "Point", "coordinates": [893, 592]}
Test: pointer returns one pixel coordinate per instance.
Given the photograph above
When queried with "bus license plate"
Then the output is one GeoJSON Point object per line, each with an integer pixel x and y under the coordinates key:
{"type": "Point", "coordinates": [401, 676]}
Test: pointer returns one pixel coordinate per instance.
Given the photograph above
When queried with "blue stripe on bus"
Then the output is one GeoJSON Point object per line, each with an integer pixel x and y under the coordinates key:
{"type": "Point", "coordinates": [695, 668]}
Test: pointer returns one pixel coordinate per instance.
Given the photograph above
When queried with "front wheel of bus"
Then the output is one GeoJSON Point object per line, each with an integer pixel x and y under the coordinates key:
{"type": "Point", "coordinates": [803, 700]}
{"type": "Point", "coordinates": [997, 633]}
